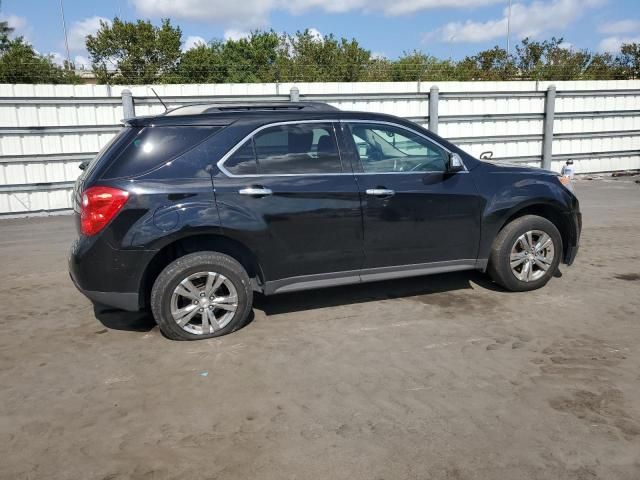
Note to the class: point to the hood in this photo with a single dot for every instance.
(506, 167)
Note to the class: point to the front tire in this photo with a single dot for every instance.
(201, 295)
(525, 254)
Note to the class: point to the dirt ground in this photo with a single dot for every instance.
(443, 377)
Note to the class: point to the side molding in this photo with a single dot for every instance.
(333, 279)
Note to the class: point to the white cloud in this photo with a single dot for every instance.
(19, 24)
(613, 44)
(57, 58)
(532, 20)
(80, 29)
(316, 34)
(232, 34)
(193, 41)
(82, 62)
(255, 13)
(622, 26)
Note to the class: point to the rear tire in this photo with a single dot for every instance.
(201, 295)
(525, 254)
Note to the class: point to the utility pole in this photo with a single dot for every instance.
(509, 29)
(66, 40)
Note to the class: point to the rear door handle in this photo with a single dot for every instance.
(255, 191)
(380, 192)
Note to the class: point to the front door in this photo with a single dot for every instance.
(285, 194)
(414, 212)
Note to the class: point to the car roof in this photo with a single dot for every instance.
(211, 108)
(222, 114)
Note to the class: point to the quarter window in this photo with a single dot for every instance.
(154, 146)
(387, 149)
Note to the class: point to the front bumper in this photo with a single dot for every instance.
(572, 249)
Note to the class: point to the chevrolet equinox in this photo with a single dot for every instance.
(190, 212)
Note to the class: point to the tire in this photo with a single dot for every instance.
(195, 274)
(505, 245)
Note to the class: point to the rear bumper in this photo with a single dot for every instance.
(121, 300)
(106, 275)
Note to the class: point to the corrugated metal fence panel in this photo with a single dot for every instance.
(47, 130)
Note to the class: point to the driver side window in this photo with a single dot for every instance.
(389, 149)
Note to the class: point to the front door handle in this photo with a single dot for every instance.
(255, 191)
(380, 192)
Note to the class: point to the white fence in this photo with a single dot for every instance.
(47, 130)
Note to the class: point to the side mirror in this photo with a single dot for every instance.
(486, 155)
(84, 165)
(455, 163)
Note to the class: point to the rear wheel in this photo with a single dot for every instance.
(525, 254)
(201, 295)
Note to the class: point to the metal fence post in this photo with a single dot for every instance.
(547, 134)
(128, 108)
(294, 94)
(433, 109)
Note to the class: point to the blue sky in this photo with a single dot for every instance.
(445, 28)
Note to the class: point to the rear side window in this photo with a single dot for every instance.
(297, 149)
(153, 146)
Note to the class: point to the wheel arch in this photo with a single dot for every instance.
(547, 210)
(199, 242)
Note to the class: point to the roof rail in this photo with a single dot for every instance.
(204, 108)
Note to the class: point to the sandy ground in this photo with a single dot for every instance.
(442, 377)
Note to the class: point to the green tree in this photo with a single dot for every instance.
(551, 60)
(202, 64)
(5, 32)
(19, 63)
(493, 64)
(135, 52)
(309, 58)
(418, 66)
(246, 60)
(252, 59)
(629, 60)
(603, 66)
(378, 70)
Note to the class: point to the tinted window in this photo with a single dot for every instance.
(297, 149)
(153, 146)
(386, 148)
(243, 161)
(110, 148)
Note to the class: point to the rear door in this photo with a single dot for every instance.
(286, 194)
(414, 212)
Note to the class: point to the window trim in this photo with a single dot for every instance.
(220, 163)
(236, 147)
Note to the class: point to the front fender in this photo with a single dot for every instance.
(508, 194)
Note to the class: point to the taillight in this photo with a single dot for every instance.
(99, 206)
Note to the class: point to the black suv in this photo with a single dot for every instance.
(190, 212)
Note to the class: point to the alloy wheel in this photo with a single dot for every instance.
(532, 255)
(204, 302)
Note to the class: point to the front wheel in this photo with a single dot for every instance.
(525, 254)
(201, 295)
